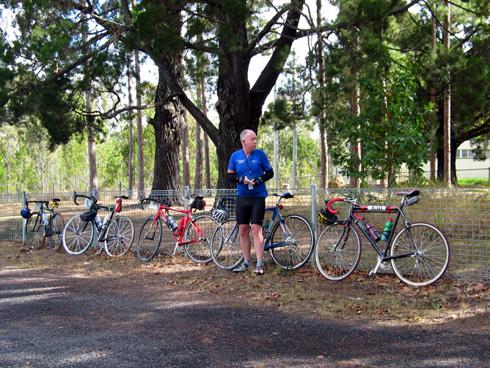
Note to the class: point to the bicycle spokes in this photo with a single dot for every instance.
(150, 234)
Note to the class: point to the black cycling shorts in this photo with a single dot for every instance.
(250, 210)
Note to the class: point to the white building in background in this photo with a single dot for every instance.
(466, 167)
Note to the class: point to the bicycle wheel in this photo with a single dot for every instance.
(149, 239)
(34, 230)
(226, 251)
(298, 241)
(78, 235)
(199, 233)
(55, 231)
(428, 251)
(119, 236)
(338, 251)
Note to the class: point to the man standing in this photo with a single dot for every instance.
(250, 169)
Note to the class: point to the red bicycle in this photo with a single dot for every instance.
(191, 232)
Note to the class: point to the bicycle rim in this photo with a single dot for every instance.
(77, 235)
(299, 242)
(149, 239)
(198, 233)
(338, 251)
(226, 251)
(54, 232)
(119, 236)
(34, 232)
(430, 254)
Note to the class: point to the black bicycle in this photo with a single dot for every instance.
(115, 233)
(418, 254)
(44, 226)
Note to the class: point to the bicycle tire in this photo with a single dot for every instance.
(55, 231)
(226, 251)
(431, 257)
(34, 231)
(149, 239)
(299, 246)
(119, 236)
(78, 235)
(338, 262)
(200, 249)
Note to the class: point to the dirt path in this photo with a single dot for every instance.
(58, 310)
(58, 319)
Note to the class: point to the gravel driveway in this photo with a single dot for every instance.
(53, 319)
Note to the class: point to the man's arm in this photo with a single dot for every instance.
(268, 175)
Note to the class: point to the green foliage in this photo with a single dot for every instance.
(390, 128)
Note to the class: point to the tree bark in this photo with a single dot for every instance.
(239, 106)
(447, 105)
(131, 123)
(139, 126)
(168, 126)
(186, 175)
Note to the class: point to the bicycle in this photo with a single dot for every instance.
(115, 232)
(288, 239)
(418, 254)
(43, 226)
(190, 233)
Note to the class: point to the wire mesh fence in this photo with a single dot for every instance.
(462, 214)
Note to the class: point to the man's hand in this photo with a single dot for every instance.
(248, 181)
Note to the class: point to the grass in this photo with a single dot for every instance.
(473, 182)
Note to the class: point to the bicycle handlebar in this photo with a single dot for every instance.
(150, 199)
(75, 196)
(331, 202)
(409, 198)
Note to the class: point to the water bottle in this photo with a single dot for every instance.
(98, 221)
(172, 225)
(372, 231)
(387, 230)
(45, 218)
(106, 221)
(265, 228)
(180, 229)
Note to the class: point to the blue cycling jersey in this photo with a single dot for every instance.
(252, 167)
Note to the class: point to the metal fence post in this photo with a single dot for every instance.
(24, 201)
(186, 197)
(313, 223)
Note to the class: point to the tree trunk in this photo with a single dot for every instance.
(91, 142)
(199, 148)
(93, 184)
(207, 169)
(139, 125)
(186, 175)
(130, 122)
(199, 163)
(321, 102)
(168, 126)
(433, 99)
(447, 106)
(355, 146)
(240, 107)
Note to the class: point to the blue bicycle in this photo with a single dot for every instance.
(289, 239)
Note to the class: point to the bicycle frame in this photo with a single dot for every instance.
(286, 231)
(275, 214)
(354, 218)
(418, 253)
(43, 209)
(179, 238)
(94, 206)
